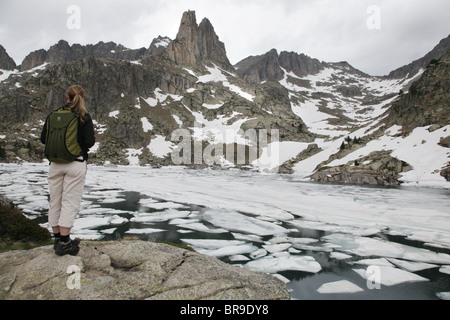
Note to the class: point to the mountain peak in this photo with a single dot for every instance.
(158, 45)
(188, 27)
(6, 62)
(268, 67)
(197, 43)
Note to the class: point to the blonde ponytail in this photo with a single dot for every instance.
(76, 99)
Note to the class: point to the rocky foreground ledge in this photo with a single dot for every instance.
(130, 270)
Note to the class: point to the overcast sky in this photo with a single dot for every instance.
(375, 36)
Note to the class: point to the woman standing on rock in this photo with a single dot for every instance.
(68, 155)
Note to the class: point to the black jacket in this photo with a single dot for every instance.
(86, 136)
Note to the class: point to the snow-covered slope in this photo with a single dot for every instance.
(336, 104)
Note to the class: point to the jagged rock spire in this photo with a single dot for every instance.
(197, 43)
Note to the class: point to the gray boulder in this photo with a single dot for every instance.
(130, 270)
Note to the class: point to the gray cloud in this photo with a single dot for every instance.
(329, 30)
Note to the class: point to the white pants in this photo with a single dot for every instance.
(66, 184)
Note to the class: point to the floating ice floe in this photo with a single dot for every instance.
(445, 269)
(277, 247)
(198, 226)
(342, 286)
(340, 256)
(389, 276)
(83, 226)
(373, 262)
(211, 243)
(180, 222)
(110, 201)
(159, 216)
(108, 231)
(144, 231)
(443, 295)
(271, 264)
(116, 220)
(144, 201)
(91, 222)
(412, 266)
(229, 250)
(364, 247)
(258, 253)
(238, 258)
(220, 248)
(247, 237)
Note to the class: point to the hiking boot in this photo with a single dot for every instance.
(77, 242)
(71, 248)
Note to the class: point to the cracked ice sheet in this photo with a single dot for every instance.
(234, 221)
(365, 247)
(358, 209)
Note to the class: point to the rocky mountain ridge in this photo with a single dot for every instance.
(139, 98)
(62, 53)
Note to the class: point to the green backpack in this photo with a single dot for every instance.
(61, 144)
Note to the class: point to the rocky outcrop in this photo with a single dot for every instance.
(130, 270)
(427, 101)
(197, 43)
(6, 62)
(369, 178)
(378, 168)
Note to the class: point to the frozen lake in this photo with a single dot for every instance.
(325, 241)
